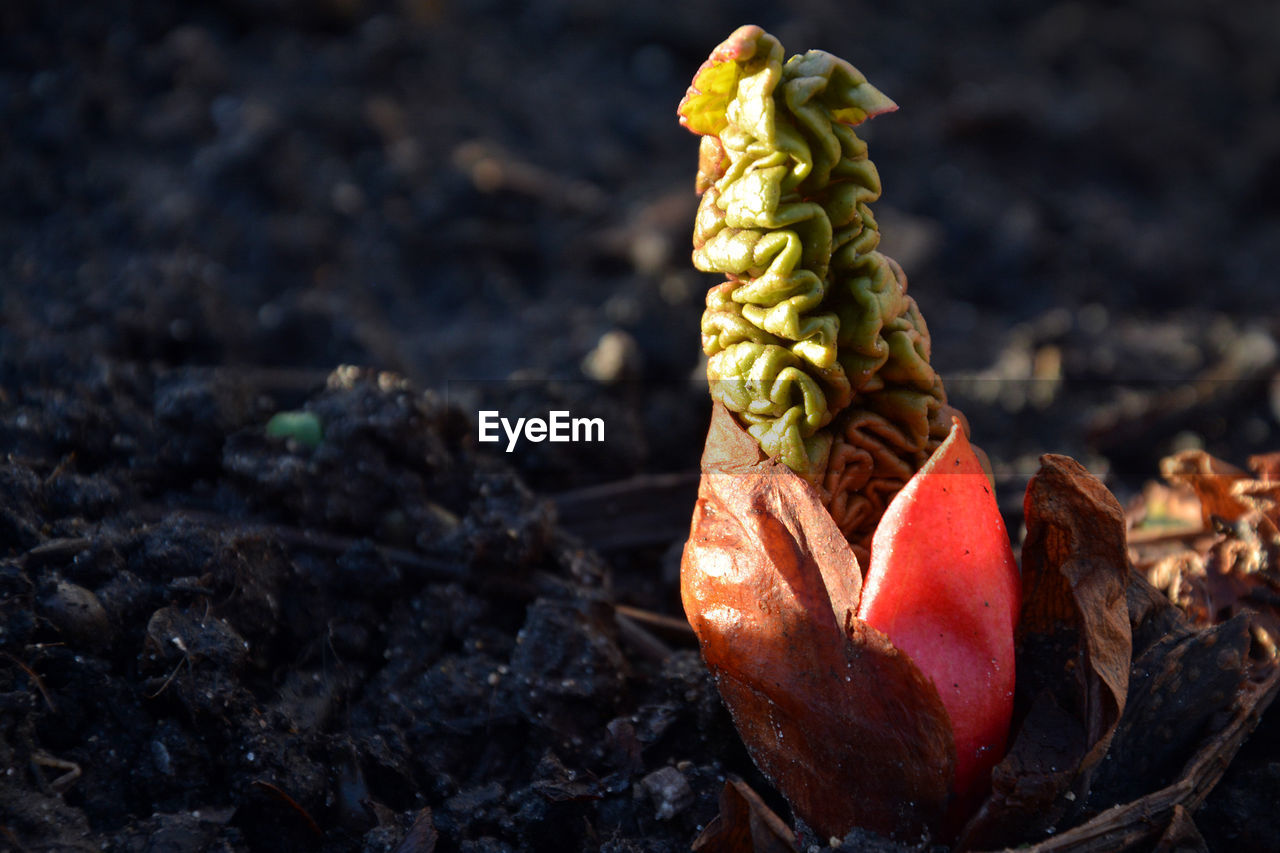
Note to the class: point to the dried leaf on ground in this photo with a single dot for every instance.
(1234, 567)
(1210, 478)
(1179, 687)
(1135, 824)
(1074, 654)
(745, 824)
(1187, 676)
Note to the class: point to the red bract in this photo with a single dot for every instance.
(820, 674)
(944, 587)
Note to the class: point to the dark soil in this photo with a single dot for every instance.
(212, 638)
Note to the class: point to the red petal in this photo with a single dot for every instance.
(944, 587)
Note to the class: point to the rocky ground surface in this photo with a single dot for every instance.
(217, 637)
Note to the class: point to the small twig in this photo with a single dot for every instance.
(194, 589)
(672, 627)
(54, 549)
(65, 464)
(59, 785)
(186, 658)
(292, 803)
(638, 512)
(1161, 535)
(640, 637)
(331, 542)
(340, 544)
(39, 683)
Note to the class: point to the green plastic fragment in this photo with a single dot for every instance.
(301, 426)
(811, 337)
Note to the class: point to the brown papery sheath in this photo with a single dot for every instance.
(845, 725)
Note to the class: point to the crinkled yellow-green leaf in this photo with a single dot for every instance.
(812, 320)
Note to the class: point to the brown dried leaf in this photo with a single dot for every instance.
(1180, 685)
(1135, 824)
(1242, 575)
(1265, 466)
(1074, 647)
(845, 725)
(1261, 497)
(1180, 576)
(1074, 562)
(422, 835)
(1182, 680)
(745, 825)
(1211, 479)
(1151, 615)
(1235, 567)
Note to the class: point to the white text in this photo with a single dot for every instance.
(557, 427)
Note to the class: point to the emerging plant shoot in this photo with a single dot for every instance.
(848, 573)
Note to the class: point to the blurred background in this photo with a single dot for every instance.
(1085, 197)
